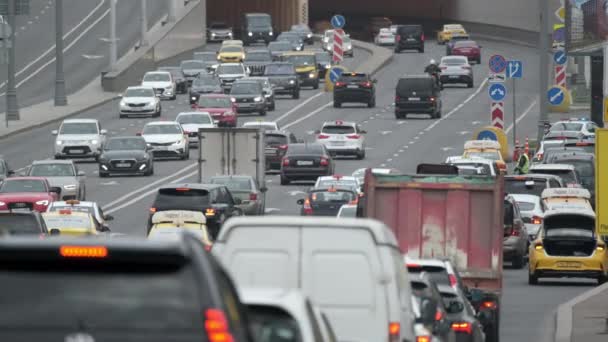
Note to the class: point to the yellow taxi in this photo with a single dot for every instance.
(66, 222)
(448, 30)
(486, 149)
(568, 245)
(560, 198)
(231, 54)
(167, 224)
(306, 66)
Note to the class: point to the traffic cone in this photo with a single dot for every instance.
(516, 151)
(527, 147)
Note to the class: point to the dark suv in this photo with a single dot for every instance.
(306, 161)
(417, 94)
(257, 27)
(276, 147)
(283, 78)
(355, 87)
(409, 37)
(96, 276)
(248, 96)
(215, 201)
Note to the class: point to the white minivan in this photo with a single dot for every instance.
(352, 269)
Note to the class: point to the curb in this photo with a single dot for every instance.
(375, 50)
(563, 317)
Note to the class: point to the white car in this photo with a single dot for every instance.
(343, 137)
(338, 181)
(347, 210)
(264, 125)
(167, 139)
(488, 166)
(82, 206)
(585, 127)
(192, 121)
(139, 101)
(531, 210)
(79, 138)
(456, 69)
(385, 37)
(162, 82)
(328, 36)
(228, 73)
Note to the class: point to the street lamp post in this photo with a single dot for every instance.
(60, 95)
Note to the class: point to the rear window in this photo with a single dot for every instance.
(525, 206)
(353, 78)
(409, 29)
(305, 149)
(454, 61)
(585, 168)
(332, 196)
(566, 126)
(338, 129)
(568, 176)
(271, 324)
(589, 148)
(438, 274)
(527, 186)
(19, 225)
(100, 296)
(233, 183)
(276, 139)
(181, 198)
(421, 86)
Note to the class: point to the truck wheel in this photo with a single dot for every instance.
(263, 112)
(532, 278)
(518, 262)
(296, 94)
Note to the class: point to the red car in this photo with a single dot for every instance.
(27, 193)
(469, 49)
(220, 107)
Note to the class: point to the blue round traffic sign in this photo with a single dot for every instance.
(556, 96)
(560, 57)
(497, 64)
(497, 91)
(338, 21)
(335, 73)
(487, 135)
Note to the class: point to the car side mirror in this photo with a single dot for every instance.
(429, 309)
(55, 232)
(56, 190)
(54, 132)
(300, 201)
(103, 132)
(108, 217)
(81, 174)
(105, 229)
(455, 307)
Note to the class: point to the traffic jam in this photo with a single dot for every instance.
(381, 254)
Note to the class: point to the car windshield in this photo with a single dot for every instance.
(525, 186)
(485, 155)
(214, 102)
(192, 65)
(338, 129)
(157, 77)
(78, 128)
(453, 61)
(245, 88)
(279, 69)
(22, 185)
(52, 170)
(67, 221)
(465, 43)
(161, 129)
(276, 139)
(299, 60)
(219, 26)
(525, 206)
(125, 144)
(279, 46)
(300, 28)
(230, 69)
(258, 56)
(206, 57)
(421, 86)
(233, 183)
(272, 324)
(139, 93)
(348, 212)
(566, 126)
(19, 224)
(185, 119)
(231, 49)
(205, 81)
(181, 198)
(259, 21)
(332, 196)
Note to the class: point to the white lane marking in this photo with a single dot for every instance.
(110, 183)
(447, 148)
(49, 50)
(386, 132)
(92, 56)
(395, 154)
(389, 160)
(118, 200)
(145, 194)
(475, 123)
(296, 193)
(291, 111)
(523, 115)
(313, 113)
(464, 132)
(30, 22)
(382, 165)
(401, 151)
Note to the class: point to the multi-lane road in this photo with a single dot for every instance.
(392, 143)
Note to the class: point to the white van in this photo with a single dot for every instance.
(352, 269)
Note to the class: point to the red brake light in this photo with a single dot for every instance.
(367, 84)
(322, 136)
(153, 210)
(394, 329)
(182, 189)
(514, 232)
(462, 327)
(307, 208)
(438, 315)
(83, 251)
(285, 162)
(537, 220)
(324, 162)
(353, 136)
(208, 248)
(283, 147)
(489, 305)
(411, 265)
(216, 326)
(397, 37)
(422, 37)
(432, 99)
(443, 68)
(453, 280)
(397, 98)
(253, 196)
(340, 84)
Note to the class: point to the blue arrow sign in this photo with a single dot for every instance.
(515, 69)
(560, 57)
(497, 91)
(487, 135)
(555, 95)
(338, 21)
(497, 64)
(334, 74)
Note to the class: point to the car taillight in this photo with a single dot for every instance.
(537, 220)
(324, 162)
(422, 37)
(307, 207)
(216, 326)
(453, 280)
(283, 147)
(488, 305)
(462, 327)
(152, 210)
(253, 196)
(367, 84)
(432, 99)
(438, 315)
(353, 136)
(423, 339)
(398, 38)
(340, 84)
(322, 136)
(514, 232)
(83, 251)
(394, 330)
(539, 156)
(285, 162)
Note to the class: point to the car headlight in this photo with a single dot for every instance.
(70, 187)
(312, 75)
(212, 34)
(2, 203)
(43, 202)
(292, 82)
(309, 35)
(270, 33)
(232, 99)
(268, 95)
(123, 103)
(59, 142)
(298, 48)
(94, 142)
(219, 57)
(257, 99)
(328, 66)
(230, 34)
(250, 34)
(151, 103)
(169, 87)
(193, 98)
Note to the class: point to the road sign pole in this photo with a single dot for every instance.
(544, 65)
(60, 96)
(12, 106)
(144, 23)
(113, 42)
(514, 115)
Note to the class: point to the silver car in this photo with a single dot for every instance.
(79, 138)
(245, 188)
(456, 69)
(228, 73)
(139, 101)
(62, 174)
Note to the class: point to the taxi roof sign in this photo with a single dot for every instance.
(481, 144)
(179, 217)
(566, 193)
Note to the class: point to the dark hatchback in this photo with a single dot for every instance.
(452, 42)
(181, 84)
(355, 87)
(278, 48)
(409, 37)
(205, 84)
(248, 96)
(277, 143)
(214, 201)
(584, 164)
(307, 162)
(326, 201)
(283, 78)
(417, 94)
(30, 223)
(256, 61)
(114, 289)
(126, 156)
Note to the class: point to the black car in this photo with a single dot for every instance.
(306, 161)
(213, 200)
(257, 27)
(304, 31)
(417, 94)
(355, 87)
(126, 156)
(283, 78)
(326, 201)
(431, 311)
(5, 170)
(409, 37)
(192, 69)
(531, 184)
(455, 38)
(461, 315)
(207, 57)
(181, 84)
(323, 62)
(205, 84)
(297, 44)
(278, 48)
(30, 223)
(256, 61)
(277, 143)
(96, 276)
(584, 164)
(248, 96)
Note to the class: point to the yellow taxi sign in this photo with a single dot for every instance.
(481, 144)
(565, 193)
(601, 183)
(179, 217)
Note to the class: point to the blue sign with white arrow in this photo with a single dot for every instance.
(556, 96)
(338, 21)
(497, 91)
(560, 57)
(515, 69)
(334, 74)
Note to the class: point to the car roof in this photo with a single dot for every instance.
(447, 289)
(331, 187)
(142, 87)
(53, 161)
(335, 177)
(81, 204)
(80, 120)
(525, 198)
(158, 72)
(159, 123)
(291, 300)
(194, 113)
(340, 123)
(552, 167)
(197, 186)
(73, 213)
(570, 211)
(231, 64)
(25, 178)
(454, 57)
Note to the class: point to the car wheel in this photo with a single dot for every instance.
(518, 262)
(602, 279)
(421, 50)
(263, 112)
(186, 154)
(103, 174)
(479, 60)
(121, 116)
(273, 106)
(532, 278)
(284, 180)
(397, 50)
(316, 85)
(337, 104)
(470, 84)
(360, 154)
(372, 103)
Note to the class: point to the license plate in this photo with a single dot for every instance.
(338, 143)
(77, 151)
(21, 210)
(305, 162)
(569, 264)
(414, 99)
(123, 165)
(244, 105)
(279, 88)
(454, 76)
(19, 205)
(353, 86)
(411, 40)
(161, 148)
(271, 152)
